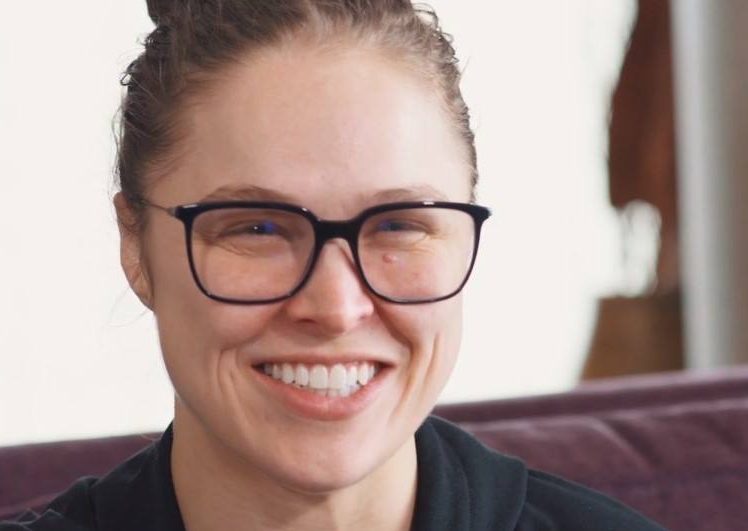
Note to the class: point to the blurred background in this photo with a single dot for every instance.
(615, 247)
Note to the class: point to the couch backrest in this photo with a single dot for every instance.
(675, 446)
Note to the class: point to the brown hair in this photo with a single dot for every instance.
(195, 38)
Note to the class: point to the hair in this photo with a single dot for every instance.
(194, 39)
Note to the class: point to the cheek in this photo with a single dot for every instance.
(432, 333)
(206, 331)
(202, 350)
(426, 326)
(197, 333)
(446, 342)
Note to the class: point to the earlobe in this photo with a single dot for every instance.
(131, 251)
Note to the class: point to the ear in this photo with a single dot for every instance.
(131, 251)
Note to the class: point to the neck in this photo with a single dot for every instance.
(219, 490)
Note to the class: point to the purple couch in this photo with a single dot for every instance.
(673, 446)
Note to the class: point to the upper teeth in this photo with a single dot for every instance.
(341, 378)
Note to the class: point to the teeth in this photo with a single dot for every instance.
(318, 377)
(351, 376)
(287, 374)
(337, 377)
(331, 381)
(302, 375)
(363, 374)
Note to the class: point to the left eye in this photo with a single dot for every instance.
(396, 226)
(266, 227)
(389, 226)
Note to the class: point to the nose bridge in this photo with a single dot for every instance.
(330, 230)
(334, 296)
(327, 231)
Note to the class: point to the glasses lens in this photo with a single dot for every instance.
(417, 254)
(251, 254)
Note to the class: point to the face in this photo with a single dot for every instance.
(335, 132)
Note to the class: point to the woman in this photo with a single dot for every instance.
(306, 351)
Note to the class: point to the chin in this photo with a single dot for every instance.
(326, 462)
(323, 476)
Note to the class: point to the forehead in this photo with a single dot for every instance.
(332, 130)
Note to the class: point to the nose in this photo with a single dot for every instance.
(334, 300)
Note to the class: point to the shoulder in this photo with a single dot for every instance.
(71, 511)
(502, 493)
(569, 505)
(137, 494)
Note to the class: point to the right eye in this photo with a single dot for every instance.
(254, 228)
(242, 226)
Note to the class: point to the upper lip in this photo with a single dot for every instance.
(323, 359)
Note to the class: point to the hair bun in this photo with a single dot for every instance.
(160, 10)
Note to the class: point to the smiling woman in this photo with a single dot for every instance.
(296, 209)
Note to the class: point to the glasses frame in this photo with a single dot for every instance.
(324, 231)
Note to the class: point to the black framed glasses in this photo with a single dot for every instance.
(255, 252)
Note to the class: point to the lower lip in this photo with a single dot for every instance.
(310, 405)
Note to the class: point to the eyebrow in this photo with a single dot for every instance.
(415, 193)
(258, 193)
(247, 193)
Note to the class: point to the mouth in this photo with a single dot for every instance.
(337, 380)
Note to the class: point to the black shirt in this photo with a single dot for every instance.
(462, 486)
